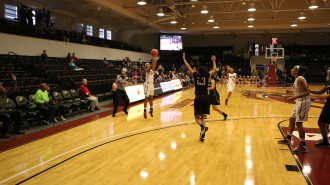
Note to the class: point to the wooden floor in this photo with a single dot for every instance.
(165, 149)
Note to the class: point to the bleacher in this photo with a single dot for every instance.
(315, 58)
(32, 70)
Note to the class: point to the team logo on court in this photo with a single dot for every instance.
(276, 96)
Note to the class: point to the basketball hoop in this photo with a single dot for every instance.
(274, 58)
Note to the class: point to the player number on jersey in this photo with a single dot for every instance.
(201, 81)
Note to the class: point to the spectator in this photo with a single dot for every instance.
(44, 55)
(74, 57)
(124, 68)
(85, 92)
(253, 73)
(6, 116)
(134, 79)
(75, 67)
(105, 61)
(68, 57)
(59, 107)
(160, 78)
(42, 100)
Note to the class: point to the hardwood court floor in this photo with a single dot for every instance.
(165, 149)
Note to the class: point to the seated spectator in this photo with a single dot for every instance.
(105, 61)
(75, 67)
(6, 116)
(59, 107)
(68, 57)
(159, 78)
(134, 79)
(42, 101)
(85, 92)
(124, 68)
(74, 57)
(44, 55)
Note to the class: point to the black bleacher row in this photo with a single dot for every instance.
(316, 68)
(71, 100)
(32, 70)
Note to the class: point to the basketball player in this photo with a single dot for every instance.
(202, 100)
(149, 86)
(300, 111)
(230, 84)
(215, 97)
(324, 119)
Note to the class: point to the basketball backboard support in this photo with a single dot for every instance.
(271, 52)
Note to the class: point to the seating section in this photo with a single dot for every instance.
(31, 71)
(315, 58)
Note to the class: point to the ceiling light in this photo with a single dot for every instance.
(141, 2)
(243, 3)
(193, 0)
(251, 8)
(160, 12)
(302, 16)
(183, 27)
(211, 19)
(313, 5)
(204, 10)
(294, 24)
(216, 26)
(173, 21)
(250, 26)
(251, 18)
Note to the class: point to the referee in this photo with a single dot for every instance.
(122, 80)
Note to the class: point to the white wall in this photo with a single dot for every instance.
(34, 46)
(240, 41)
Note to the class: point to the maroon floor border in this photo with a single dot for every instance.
(316, 159)
(19, 141)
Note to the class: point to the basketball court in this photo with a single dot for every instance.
(165, 149)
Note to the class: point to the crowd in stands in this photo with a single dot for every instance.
(315, 58)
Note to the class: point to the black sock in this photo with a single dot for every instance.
(202, 126)
(145, 110)
(325, 139)
(288, 137)
(224, 114)
(151, 109)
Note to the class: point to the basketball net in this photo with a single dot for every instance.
(274, 58)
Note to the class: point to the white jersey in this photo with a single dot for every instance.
(297, 91)
(150, 77)
(232, 78)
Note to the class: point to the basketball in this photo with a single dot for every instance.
(154, 52)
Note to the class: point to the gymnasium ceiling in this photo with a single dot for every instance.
(230, 15)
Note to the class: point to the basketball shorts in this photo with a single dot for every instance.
(325, 114)
(230, 87)
(300, 110)
(202, 104)
(148, 90)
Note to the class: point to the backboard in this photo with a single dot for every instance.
(271, 52)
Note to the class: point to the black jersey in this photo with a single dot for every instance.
(201, 83)
(212, 92)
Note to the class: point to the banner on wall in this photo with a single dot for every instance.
(135, 92)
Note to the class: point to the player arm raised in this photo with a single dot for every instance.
(303, 86)
(214, 68)
(154, 64)
(186, 63)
